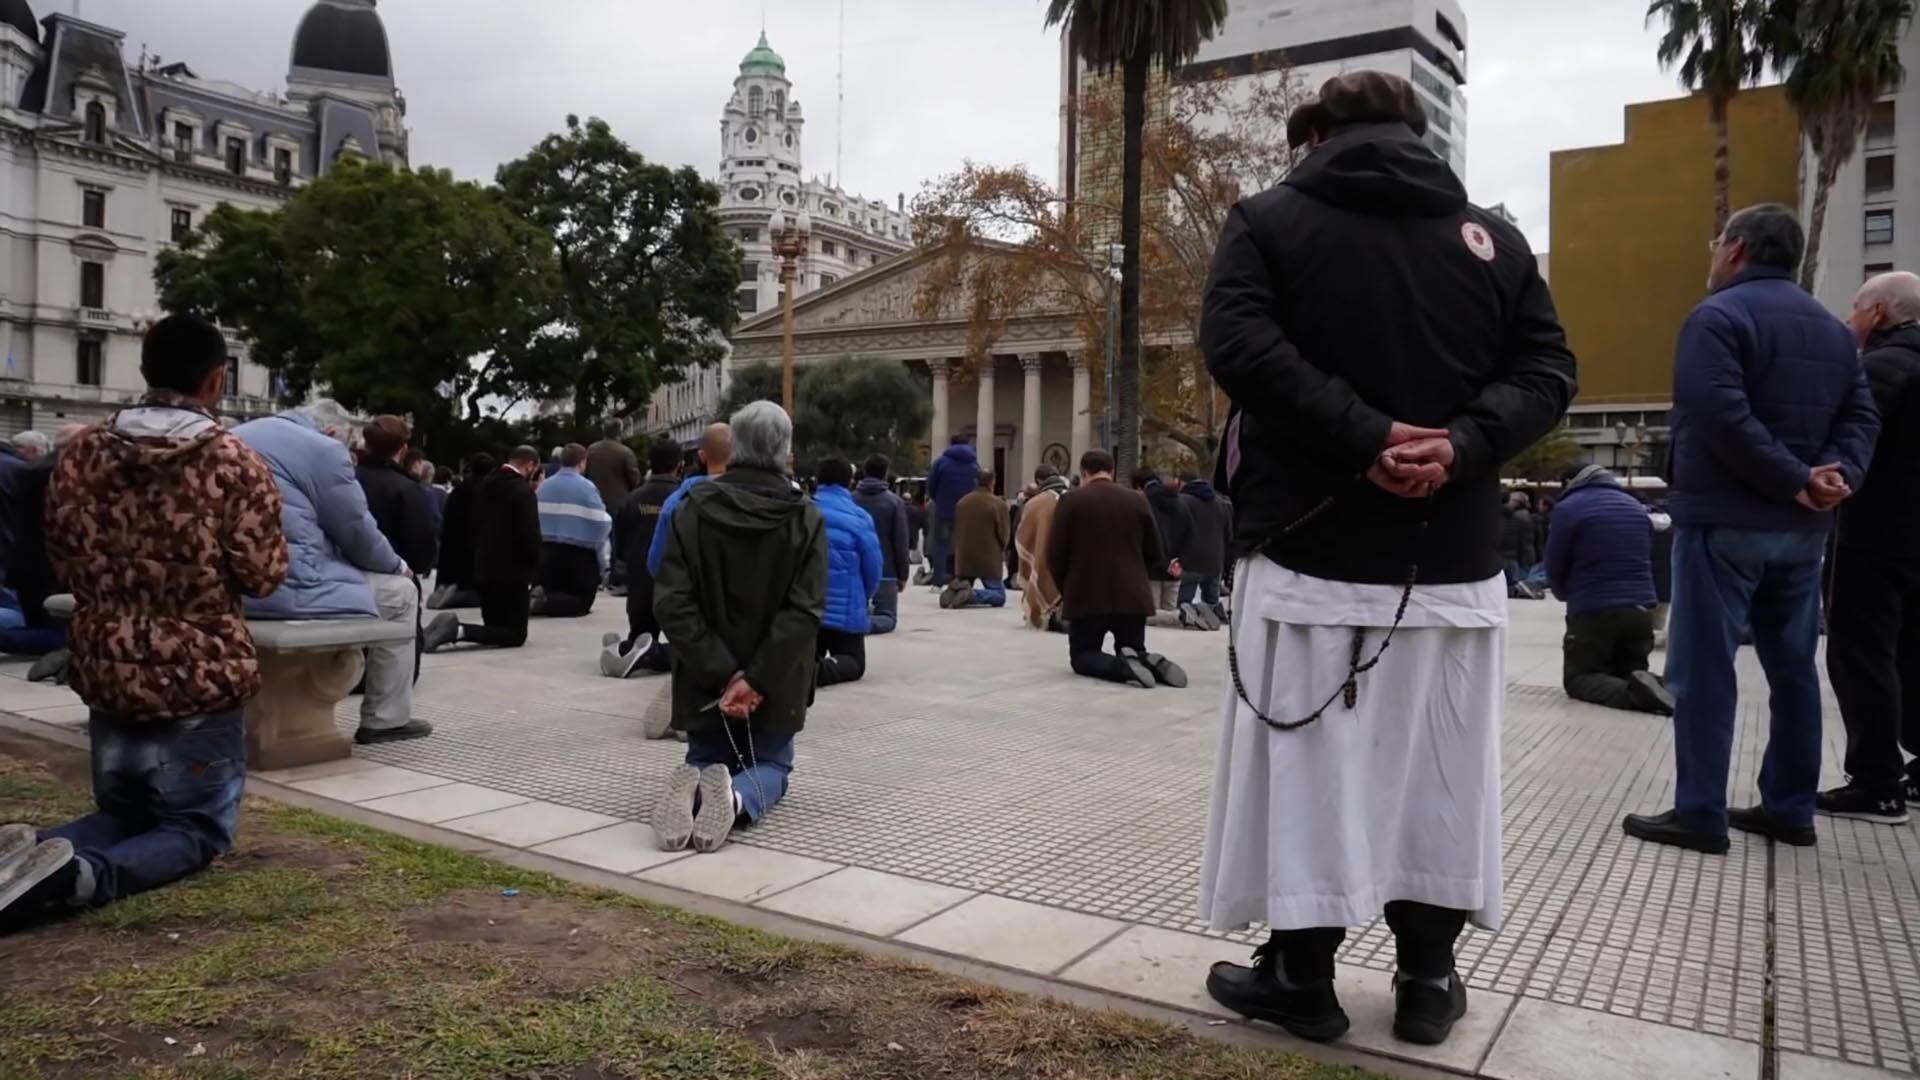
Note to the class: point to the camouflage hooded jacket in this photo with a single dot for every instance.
(160, 522)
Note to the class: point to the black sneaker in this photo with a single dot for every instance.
(1425, 1010)
(32, 887)
(412, 729)
(1756, 820)
(1649, 694)
(49, 668)
(1165, 672)
(1859, 804)
(1262, 992)
(1138, 673)
(443, 631)
(1666, 829)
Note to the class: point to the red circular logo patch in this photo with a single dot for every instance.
(1479, 240)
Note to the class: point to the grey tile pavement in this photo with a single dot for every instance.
(972, 762)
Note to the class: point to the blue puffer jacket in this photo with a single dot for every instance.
(1600, 550)
(331, 536)
(1766, 384)
(853, 561)
(951, 479)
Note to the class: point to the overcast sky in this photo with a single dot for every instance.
(929, 83)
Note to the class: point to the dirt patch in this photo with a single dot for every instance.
(285, 851)
(68, 764)
(551, 945)
(813, 1029)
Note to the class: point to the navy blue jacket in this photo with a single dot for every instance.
(853, 561)
(1766, 384)
(889, 515)
(1600, 552)
(951, 479)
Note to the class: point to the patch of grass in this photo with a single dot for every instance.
(226, 898)
(402, 870)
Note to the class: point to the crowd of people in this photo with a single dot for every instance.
(1355, 544)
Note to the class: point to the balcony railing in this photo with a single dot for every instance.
(93, 316)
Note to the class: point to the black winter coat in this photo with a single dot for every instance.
(634, 523)
(506, 527)
(1362, 291)
(1884, 516)
(400, 508)
(889, 514)
(456, 533)
(1174, 520)
(1212, 517)
(1518, 537)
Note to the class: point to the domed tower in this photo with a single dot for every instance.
(19, 50)
(760, 135)
(340, 50)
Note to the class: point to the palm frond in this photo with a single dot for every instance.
(1104, 33)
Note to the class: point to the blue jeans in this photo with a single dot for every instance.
(1723, 580)
(940, 551)
(991, 593)
(169, 799)
(1207, 588)
(761, 786)
(886, 607)
(32, 640)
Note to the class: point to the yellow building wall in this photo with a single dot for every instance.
(1631, 224)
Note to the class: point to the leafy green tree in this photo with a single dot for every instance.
(1720, 47)
(1547, 459)
(851, 407)
(1841, 56)
(398, 291)
(650, 277)
(1132, 35)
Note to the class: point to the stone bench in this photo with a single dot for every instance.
(307, 667)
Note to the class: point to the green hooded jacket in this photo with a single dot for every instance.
(741, 588)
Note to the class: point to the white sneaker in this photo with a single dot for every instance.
(718, 809)
(615, 664)
(673, 814)
(16, 842)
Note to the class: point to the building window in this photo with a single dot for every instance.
(1880, 174)
(1432, 84)
(1880, 126)
(827, 279)
(182, 225)
(96, 122)
(233, 375)
(282, 166)
(1440, 146)
(237, 156)
(749, 194)
(93, 285)
(749, 271)
(1880, 226)
(780, 101)
(756, 104)
(89, 362)
(93, 208)
(182, 142)
(1873, 270)
(1440, 120)
(752, 136)
(749, 301)
(828, 247)
(749, 236)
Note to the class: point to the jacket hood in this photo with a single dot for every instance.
(1591, 476)
(1381, 170)
(962, 453)
(158, 440)
(871, 485)
(1904, 336)
(1199, 489)
(748, 500)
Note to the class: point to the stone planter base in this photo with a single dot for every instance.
(290, 723)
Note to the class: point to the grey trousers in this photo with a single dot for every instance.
(389, 687)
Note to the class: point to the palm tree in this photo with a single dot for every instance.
(1841, 56)
(1719, 47)
(1132, 35)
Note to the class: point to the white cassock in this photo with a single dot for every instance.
(1395, 799)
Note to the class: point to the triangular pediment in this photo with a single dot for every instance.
(883, 295)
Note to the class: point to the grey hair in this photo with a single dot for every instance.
(32, 440)
(1899, 290)
(1772, 235)
(762, 436)
(328, 413)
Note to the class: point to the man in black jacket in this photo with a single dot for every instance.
(1205, 560)
(396, 499)
(1175, 523)
(634, 522)
(506, 557)
(1873, 627)
(453, 579)
(1386, 347)
(889, 515)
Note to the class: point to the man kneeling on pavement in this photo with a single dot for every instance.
(160, 521)
(1600, 561)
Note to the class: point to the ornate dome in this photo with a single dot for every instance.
(763, 60)
(17, 14)
(345, 36)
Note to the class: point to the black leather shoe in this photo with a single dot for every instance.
(1262, 992)
(412, 729)
(1666, 829)
(1649, 694)
(1425, 1010)
(1756, 820)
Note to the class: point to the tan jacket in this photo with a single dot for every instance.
(981, 533)
(1039, 594)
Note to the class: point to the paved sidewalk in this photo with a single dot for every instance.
(973, 797)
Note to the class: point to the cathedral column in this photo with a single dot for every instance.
(983, 421)
(937, 440)
(1029, 421)
(1082, 407)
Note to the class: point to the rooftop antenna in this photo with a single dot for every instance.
(840, 87)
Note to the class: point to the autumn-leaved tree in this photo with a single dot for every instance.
(650, 276)
(397, 291)
(1010, 244)
(1131, 36)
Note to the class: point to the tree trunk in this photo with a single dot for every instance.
(1825, 174)
(1126, 376)
(1722, 164)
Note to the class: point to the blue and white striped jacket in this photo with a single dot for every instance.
(571, 512)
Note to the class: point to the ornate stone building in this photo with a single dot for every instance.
(105, 162)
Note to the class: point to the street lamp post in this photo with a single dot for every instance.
(1115, 253)
(789, 240)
